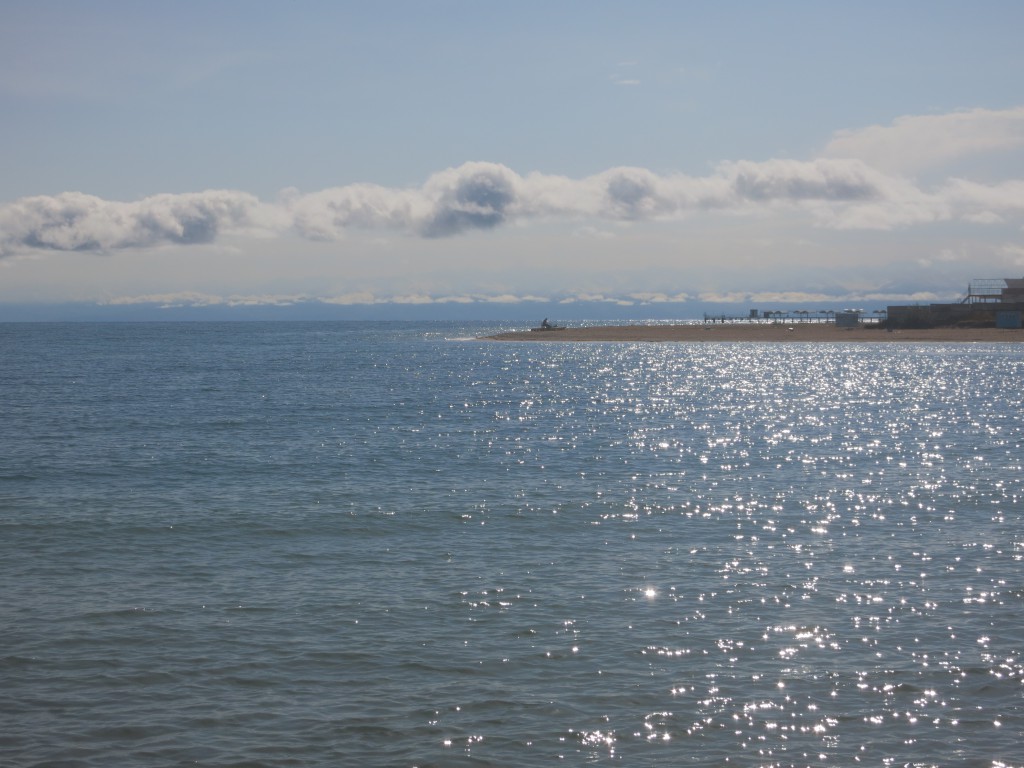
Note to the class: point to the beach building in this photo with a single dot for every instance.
(989, 302)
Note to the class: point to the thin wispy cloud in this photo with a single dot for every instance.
(200, 299)
(625, 74)
(916, 142)
(196, 299)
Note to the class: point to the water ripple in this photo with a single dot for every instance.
(344, 544)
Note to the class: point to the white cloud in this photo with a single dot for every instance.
(794, 181)
(73, 221)
(366, 298)
(593, 232)
(413, 298)
(658, 298)
(349, 299)
(179, 299)
(790, 297)
(621, 77)
(915, 297)
(1013, 254)
(981, 199)
(803, 297)
(326, 215)
(916, 142)
(727, 297)
(198, 299)
(597, 298)
(832, 192)
(508, 298)
(984, 217)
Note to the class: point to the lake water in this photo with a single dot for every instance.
(373, 544)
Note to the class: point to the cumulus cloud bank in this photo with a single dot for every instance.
(73, 221)
(843, 190)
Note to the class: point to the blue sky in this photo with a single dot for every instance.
(501, 157)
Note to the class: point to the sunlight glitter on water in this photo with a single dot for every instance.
(418, 554)
(751, 446)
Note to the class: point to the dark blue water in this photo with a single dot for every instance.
(391, 545)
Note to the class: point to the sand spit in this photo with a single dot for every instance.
(769, 332)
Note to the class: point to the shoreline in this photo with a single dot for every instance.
(761, 332)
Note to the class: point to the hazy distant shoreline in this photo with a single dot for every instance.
(774, 332)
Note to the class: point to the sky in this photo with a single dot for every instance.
(500, 159)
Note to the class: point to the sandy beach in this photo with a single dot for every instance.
(780, 332)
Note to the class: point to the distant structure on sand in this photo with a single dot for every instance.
(847, 318)
(989, 302)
